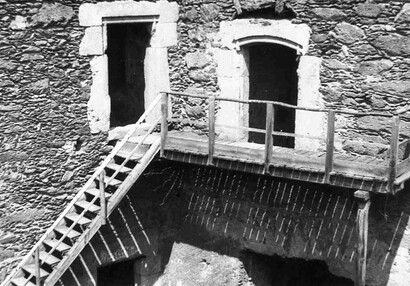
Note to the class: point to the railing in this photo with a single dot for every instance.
(99, 173)
(271, 106)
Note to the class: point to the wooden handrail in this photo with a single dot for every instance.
(211, 126)
(270, 117)
(395, 131)
(278, 103)
(103, 203)
(330, 142)
(164, 121)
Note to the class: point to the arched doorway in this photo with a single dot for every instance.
(272, 76)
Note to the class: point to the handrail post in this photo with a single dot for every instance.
(394, 141)
(103, 203)
(37, 262)
(211, 126)
(164, 121)
(330, 142)
(270, 113)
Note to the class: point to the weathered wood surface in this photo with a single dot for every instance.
(362, 222)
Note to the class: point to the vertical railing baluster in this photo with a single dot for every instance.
(394, 141)
(103, 203)
(37, 262)
(211, 127)
(330, 142)
(164, 122)
(270, 113)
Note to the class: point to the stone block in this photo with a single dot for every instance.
(375, 67)
(229, 63)
(293, 35)
(348, 33)
(368, 10)
(19, 23)
(393, 44)
(92, 42)
(209, 12)
(404, 15)
(309, 123)
(196, 60)
(330, 14)
(99, 105)
(52, 14)
(165, 35)
(92, 14)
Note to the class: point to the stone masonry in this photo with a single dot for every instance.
(361, 54)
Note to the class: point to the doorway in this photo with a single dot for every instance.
(126, 48)
(272, 76)
(118, 274)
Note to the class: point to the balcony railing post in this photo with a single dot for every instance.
(164, 121)
(330, 142)
(394, 141)
(103, 204)
(37, 263)
(211, 127)
(270, 113)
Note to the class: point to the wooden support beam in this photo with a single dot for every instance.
(270, 113)
(103, 203)
(330, 142)
(164, 121)
(211, 125)
(37, 262)
(363, 199)
(394, 143)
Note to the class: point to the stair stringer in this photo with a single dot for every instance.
(85, 238)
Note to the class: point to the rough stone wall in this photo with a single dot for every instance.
(364, 47)
(46, 148)
(202, 221)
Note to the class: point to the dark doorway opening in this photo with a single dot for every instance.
(272, 76)
(118, 274)
(278, 271)
(126, 47)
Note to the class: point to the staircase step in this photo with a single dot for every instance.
(91, 207)
(113, 182)
(62, 229)
(129, 147)
(96, 193)
(48, 258)
(74, 217)
(116, 167)
(22, 281)
(31, 268)
(60, 247)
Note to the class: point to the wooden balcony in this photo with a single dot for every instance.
(324, 167)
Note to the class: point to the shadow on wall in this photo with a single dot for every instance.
(189, 225)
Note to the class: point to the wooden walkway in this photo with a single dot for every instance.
(353, 172)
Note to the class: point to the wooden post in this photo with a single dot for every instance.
(330, 142)
(37, 262)
(394, 143)
(211, 125)
(363, 199)
(270, 113)
(164, 121)
(103, 203)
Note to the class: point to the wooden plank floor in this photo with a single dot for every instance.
(359, 172)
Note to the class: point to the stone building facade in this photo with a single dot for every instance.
(56, 113)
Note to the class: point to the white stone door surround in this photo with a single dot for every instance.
(233, 75)
(162, 14)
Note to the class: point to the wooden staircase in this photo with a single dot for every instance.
(82, 218)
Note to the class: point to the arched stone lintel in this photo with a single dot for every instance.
(244, 31)
(270, 40)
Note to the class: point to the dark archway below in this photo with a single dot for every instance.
(278, 271)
